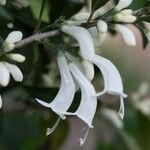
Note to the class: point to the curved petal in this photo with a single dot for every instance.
(14, 37)
(15, 72)
(127, 34)
(65, 95)
(112, 78)
(83, 37)
(88, 104)
(4, 75)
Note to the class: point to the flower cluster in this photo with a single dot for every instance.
(7, 68)
(78, 72)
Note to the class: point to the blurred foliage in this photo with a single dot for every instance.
(25, 129)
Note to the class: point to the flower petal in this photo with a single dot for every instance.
(4, 75)
(84, 38)
(112, 80)
(66, 93)
(88, 104)
(15, 72)
(14, 37)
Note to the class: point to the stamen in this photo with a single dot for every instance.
(82, 140)
(51, 130)
(100, 93)
(121, 110)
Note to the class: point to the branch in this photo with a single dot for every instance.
(37, 38)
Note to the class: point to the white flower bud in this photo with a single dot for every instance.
(2, 2)
(8, 46)
(16, 57)
(118, 17)
(148, 35)
(127, 34)
(123, 4)
(102, 26)
(126, 12)
(14, 37)
(81, 16)
(89, 69)
(1, 103)
(129, 19)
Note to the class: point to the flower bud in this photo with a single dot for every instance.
(16, 57)
(129, 19)
(8, 46)
(123, 4)
(81, 16)
(118, 17)
(102, 26)
(126, 12)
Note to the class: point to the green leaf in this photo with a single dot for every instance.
(142, 29)
(98, 3)
(138, 4)
(64, 8)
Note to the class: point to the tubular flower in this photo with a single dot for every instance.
(112, 78)
(123, 4)
(65, 95)
(88, 100)
(127, 34)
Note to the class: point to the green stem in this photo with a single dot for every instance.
(40, 17)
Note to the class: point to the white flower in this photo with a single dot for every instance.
(112, 80)
(11, 39)
(88, 104)
(1, 103)
(82, 36)
(3, 2)
(65, 95)
(127, 34)
(123, 4)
